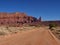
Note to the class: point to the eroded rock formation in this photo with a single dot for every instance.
(19, 19)
(16, 19)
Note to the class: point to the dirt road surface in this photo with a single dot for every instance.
(30, 37)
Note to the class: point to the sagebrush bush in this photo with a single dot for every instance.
(51, 26)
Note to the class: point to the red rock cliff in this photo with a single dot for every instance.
(15, 19)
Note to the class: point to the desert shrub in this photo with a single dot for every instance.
(2, 33)
(51, 26)
(31, 25)
(7, 27)
(35, 25)
(58, 30)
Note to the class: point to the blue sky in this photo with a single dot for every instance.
(47, 9)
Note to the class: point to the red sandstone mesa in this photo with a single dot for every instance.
(18, 19)
(15, 19)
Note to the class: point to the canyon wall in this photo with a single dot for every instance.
(16, 19)
(19, 19)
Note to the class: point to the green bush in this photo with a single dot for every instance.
(51, 26)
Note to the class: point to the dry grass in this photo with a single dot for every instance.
(56, 32)
(9, 30)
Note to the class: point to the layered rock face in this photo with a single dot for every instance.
(16, 19)
(19, 19)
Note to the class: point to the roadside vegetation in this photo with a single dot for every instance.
(55, 30)
(4, 30)
(52, 26)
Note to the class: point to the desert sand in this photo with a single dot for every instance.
(38, 36)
